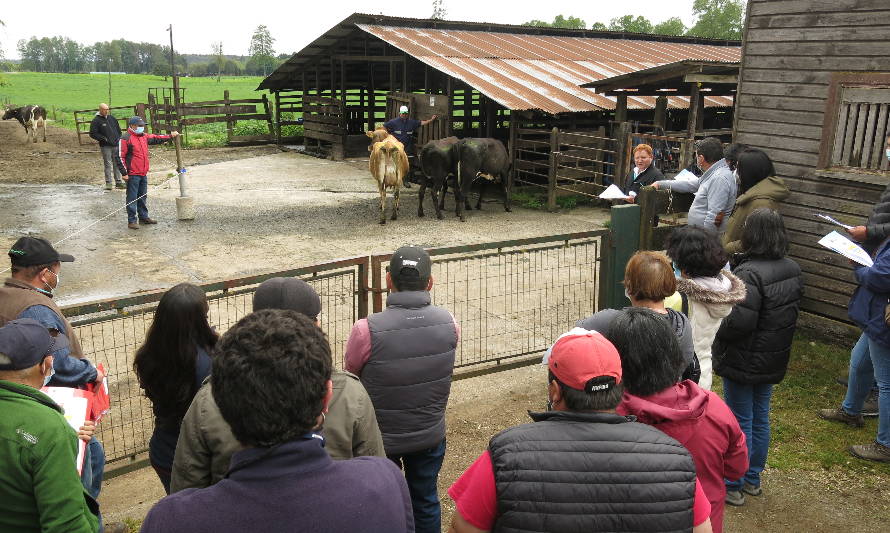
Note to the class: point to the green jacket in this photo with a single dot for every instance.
(40, 490)
(768, 193)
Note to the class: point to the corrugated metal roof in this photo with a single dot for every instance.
(524, 72)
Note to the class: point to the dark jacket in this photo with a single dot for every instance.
(105, 129)
(871, 297)
(133, 152)
(408, 375)
(753, 343)
(647, 177)
(573, 472)
(877, 227)
(294, 486)
(770, 192)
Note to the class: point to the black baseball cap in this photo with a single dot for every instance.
(288, 294)
(137, 121)
(29, 251)
(25, 342)
(410, 262)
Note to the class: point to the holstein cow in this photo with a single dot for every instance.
(30, 117)
(437, 161)
(389, 166)
(484, 159)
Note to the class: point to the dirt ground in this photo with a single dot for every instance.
(259, 210)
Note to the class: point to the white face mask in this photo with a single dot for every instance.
(46, 379)
(52, 290)
(887, 153)
(140, 129)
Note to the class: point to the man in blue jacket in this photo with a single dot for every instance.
(403, 129)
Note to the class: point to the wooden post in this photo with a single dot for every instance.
(269, 116)
(621, 108)
(426, 78)
(489, 117)
(468, 110)
(449, 93)
(405, 74)
(552, 175)
(694, 102)
(511, 148)
(481, 107)
(647, 199)
(623, 148)
(230, 130)
(372, 99)
(392, 76)
(660, 119)
(700, 119)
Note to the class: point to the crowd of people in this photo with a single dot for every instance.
(255, 430)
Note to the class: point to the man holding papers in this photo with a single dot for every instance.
(40, 490)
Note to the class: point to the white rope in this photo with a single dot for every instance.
(119, 209)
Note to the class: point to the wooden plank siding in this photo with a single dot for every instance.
(792, 49)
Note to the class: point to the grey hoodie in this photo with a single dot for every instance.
(715, 193)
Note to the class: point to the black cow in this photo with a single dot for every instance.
(30, 117)
(437, 161)
(484, 159)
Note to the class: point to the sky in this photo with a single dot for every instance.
(292, 23)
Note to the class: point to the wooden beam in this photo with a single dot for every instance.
(712, 78)
(661, 104)
(621, 108)
(366, 59)
(694, 103)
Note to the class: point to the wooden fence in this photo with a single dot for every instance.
(324, 122)
(288, 103)
(166, 117)
(84, 117)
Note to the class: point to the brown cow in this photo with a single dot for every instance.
(389, 166)
(30, 117)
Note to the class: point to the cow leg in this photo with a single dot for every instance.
(395, 203)
(433, 194)
(443, 192)
(508, 190)
(44, 130)
(482, 187)
(420, 195)
(382, 203)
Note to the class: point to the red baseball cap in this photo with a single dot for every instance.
(580, 356)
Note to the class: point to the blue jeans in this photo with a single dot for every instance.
(422, 474)
(93, 471)
(750, 405)
(868, 359)
(137, 187)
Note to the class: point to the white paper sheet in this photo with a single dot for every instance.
(75, 407)
(685, 175)
(847, 248)
(833, 221)
(612, 192)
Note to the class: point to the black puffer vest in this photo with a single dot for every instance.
(408, 375)
(590, 472)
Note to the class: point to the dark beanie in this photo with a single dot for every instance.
(288, 294)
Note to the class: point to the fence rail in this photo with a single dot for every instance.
(511, 299)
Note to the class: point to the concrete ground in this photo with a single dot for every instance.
(253, 215)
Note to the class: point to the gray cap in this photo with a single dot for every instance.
(288, 294)
(25, 342)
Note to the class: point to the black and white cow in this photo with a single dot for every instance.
(30, 117)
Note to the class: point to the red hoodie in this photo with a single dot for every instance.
(704, 424)
(133, 152)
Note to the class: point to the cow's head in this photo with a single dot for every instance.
(9, 112)
(376, 136)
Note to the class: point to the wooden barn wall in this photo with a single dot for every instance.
(791, 48)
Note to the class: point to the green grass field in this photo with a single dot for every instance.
(62, 94)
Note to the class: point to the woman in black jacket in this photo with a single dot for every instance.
(644, 172)
(753, 344)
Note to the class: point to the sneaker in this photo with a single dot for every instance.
(839, 415)
(735, 497)
(133, 225)
(871, 452)
(870, 406)
(842, 380)
(120, 185)
(751, 489)
(108, 186)
(148, 221)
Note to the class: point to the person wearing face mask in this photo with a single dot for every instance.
(644, 172)
(758, 188)
(133, 165)
(29, 294)
(39, 487)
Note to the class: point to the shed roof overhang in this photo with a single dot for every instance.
(715, 78)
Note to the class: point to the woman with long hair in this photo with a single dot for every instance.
(753, 344)
(171, 365)
(758, 188)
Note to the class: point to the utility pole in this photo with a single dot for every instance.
(175, 76)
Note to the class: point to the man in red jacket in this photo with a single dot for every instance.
(133, 165)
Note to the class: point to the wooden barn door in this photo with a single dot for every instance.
(422, 107)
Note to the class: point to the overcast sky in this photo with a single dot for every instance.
(293, 23)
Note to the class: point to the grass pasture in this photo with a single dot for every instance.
(62, 94)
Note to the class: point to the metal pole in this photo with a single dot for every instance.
(175, 77)
(179, 169)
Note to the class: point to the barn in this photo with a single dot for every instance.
(814, 93)
(486, 80)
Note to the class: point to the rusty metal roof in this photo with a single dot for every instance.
(525, 72)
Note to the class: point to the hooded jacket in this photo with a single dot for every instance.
(754, 342)
(710, 300)
(699, 420)
(769, 192)
(133, 152)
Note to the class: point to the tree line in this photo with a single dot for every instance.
(715, 19)
(61, 54)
